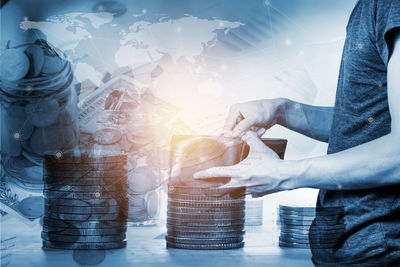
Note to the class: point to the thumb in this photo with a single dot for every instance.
(242, 127)
(256, 145)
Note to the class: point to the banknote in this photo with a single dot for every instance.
(27, 206)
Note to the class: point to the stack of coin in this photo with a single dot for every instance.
(296, 221)
(204, 218)
(254, 211)
(85, 202)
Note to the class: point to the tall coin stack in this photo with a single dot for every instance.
(205, 218)
(85, 202)
(296, 221)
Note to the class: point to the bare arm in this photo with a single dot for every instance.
(376, 163)
(370, 165)
(312, 121)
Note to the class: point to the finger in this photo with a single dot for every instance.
(260, 190)
(231, 120)
(254, 142)
(243, 126)
(263, 193)
(256, 145)
(231, 171)
(261, 132)
(232, 184)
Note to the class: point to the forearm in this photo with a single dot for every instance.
(370, 165)
(312, 121)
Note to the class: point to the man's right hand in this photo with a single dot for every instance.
(256, 116)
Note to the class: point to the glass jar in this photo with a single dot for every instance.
(38, 117)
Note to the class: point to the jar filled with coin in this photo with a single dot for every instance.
(38, 110)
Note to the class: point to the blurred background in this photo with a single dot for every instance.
(210, 54)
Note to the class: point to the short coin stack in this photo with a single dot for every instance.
(296, 221)
(85, 202)
(205, 218)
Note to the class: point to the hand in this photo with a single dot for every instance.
(256, 116)
(262, 172)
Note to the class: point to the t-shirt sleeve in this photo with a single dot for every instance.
(387, 19)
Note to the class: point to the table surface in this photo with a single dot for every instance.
(146, 246)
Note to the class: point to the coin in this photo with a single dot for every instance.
(87, 173)
(206, 241)
(65, 245)
(15, 65)
(315, 228)
(43, 113)
(152, 204)
(305, 246)
(86, 159)
(87, 217)
(32, 207)
(107, 136)
(36, 59)
(86, 166)
(295, 222)
(319, 210)
(82, 195)
(84, 224)
(138, 140)
(206, 229)
(178, 203)
(46, 140)
(293, 245)
(47, 48)
(178, 189)
(81, 210)
(321, 215)
(320, 221)
(205, 247)
(294, 235)
(85, 181)
(86, 202)
(200, 198)
(303, 232)
(294, 240)
(205, 210)
(204, 235)
(52, 64)
(142, 179)
(307, 238)
(206, 216)
(200, 223)
(86, 188)
(296, 217)
(83, 232)
(82, 238)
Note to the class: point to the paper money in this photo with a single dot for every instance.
(93, 106)
(20, 203)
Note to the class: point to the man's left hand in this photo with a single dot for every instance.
(261, 172)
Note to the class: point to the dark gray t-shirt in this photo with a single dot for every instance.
(368, 228)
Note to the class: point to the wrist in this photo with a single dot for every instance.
(281, 105)
(293, 174)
